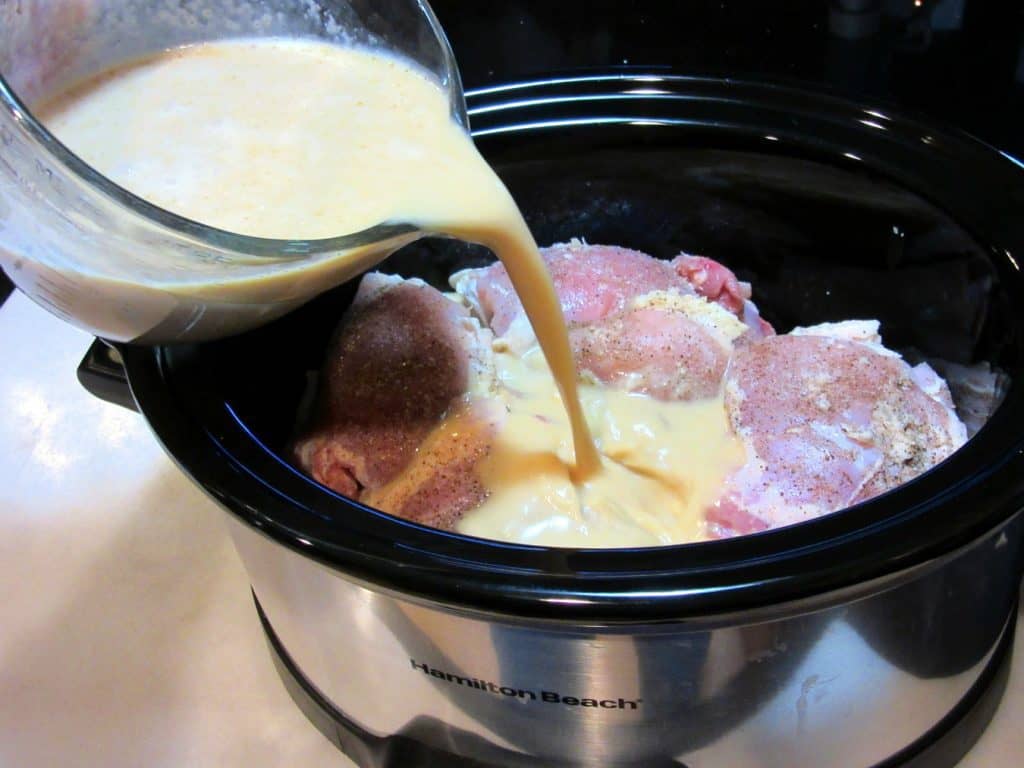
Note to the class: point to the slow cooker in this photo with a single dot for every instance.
(877, 636)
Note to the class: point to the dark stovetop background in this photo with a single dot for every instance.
(958, 61)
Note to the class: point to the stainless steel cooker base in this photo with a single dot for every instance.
(941, 747)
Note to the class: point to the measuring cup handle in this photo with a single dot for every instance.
(102, 375)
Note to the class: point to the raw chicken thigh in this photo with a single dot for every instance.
(404, 358)
(592, 283)
(826, 415)
(595, 282)
(654, 348)
(827, 420)
(661, 328)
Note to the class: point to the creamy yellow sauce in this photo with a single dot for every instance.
(304, 140)
(664, 464)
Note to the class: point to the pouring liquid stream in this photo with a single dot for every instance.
(514, 245)
(366, 139)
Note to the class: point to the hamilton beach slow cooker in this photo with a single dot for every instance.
(877, 636)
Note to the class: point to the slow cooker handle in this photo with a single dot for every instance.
(103, 375)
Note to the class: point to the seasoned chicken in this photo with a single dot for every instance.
(592, 283)
(418, 387)
(668, 345)
(828, 417)
(404, 358)
(639, 323)
(717, 283)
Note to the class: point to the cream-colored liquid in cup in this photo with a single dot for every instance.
(298, 139)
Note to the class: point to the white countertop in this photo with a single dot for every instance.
(127, 632)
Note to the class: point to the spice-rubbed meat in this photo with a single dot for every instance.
(411, 402)
(669, 346)
(828, 417)
(717, 283)
(440, 484)
(639, 323)
(596, 281)
(404, 357)
(592, 282)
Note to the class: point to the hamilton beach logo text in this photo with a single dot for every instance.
(551, 697)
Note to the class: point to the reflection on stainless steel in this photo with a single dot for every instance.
(848, 684)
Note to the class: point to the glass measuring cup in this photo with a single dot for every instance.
(66, 232)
